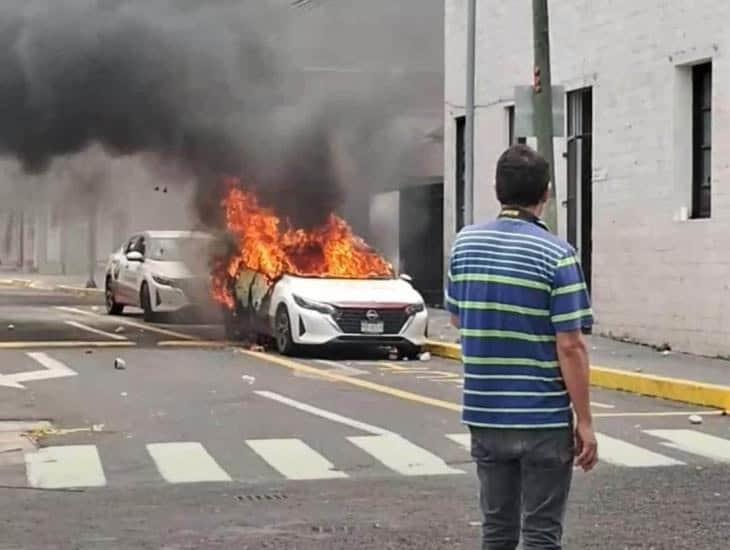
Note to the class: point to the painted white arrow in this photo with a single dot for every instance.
(52, 369)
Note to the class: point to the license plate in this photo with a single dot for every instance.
(368, 327)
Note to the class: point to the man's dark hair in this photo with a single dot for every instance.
(523, 176)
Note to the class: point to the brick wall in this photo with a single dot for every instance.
(656, 278)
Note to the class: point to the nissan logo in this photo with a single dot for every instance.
(372, 315)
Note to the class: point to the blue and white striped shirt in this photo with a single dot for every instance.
(513, 286)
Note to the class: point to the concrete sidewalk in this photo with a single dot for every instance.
(628, 367)
(74, 284)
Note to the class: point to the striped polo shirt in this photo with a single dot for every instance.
(513, 285)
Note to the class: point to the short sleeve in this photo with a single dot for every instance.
(570, 306)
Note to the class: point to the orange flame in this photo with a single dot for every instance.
(268, 246)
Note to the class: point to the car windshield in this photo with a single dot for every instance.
(176, 249)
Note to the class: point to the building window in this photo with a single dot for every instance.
(701, 140)
(460, 172)
(511, 128)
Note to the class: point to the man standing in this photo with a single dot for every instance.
(517, 294)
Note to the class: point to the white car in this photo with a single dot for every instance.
(314, 311)
(160, 272)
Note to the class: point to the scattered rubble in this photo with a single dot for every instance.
(248, 379)
(11, 327)
(119, 330)
(124, 394)
(695, 419)
(425, 356)
(120, 364)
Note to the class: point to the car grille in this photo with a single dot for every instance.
(196, 290)
(350, 319)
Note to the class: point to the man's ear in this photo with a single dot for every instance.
(546, 195)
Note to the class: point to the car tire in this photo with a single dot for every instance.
(146, 303)
(112, 306)
(410, 352)
(282, 332)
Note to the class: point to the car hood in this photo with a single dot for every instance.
(172, 270)
(354, 292)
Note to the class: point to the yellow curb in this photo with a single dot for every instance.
(196, 344)
(15, 283)
(78, 291)
(64, 344)
(674, 389)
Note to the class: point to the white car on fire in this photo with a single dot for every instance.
(160, 272)
(301, 311)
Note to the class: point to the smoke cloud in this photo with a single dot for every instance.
(205, 87)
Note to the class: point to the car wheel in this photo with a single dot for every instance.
(282, 332)
(146, 302)
(410, 352)
(112, 307)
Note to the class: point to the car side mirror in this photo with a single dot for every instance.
(406, 278)
(135, 256)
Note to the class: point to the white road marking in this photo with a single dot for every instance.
(294, 459)
(402, 456)
(53, 369)
(65, 467)
(186, 462)
(622, 453)
(697, 443)
(334, 417)
(346, 369)
(602, 405)
(131, 323)
(96, 331)
(462, 439)
(658, 413)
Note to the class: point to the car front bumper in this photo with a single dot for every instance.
(313, 328)
(185, 294)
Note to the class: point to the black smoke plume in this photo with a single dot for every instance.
(198, 84)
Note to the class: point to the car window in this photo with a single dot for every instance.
(177, 249)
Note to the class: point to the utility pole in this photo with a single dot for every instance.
(543, 100)
(91, 283)
(469, 108)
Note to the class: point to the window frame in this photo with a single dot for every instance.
(701, 106)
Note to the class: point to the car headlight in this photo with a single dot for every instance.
(320, 307)
(415, 308)
(160, 280)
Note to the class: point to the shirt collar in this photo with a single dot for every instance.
(519, 213)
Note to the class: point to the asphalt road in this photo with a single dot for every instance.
(200, 444)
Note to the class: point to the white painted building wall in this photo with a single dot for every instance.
(657, 277)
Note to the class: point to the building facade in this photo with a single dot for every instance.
(642, 175)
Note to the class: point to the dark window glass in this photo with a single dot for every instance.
(702, 141)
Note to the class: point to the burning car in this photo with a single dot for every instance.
(312, 287)
(297, 311)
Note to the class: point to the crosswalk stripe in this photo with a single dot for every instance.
(694, 442)
(622, 453)
(402, 456)
(65, 467)
(185, 462)
(462, 439)
(294, 459)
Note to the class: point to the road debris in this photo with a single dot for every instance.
(425, 356)
(248, 379)
(119, 330)
(120, 364)
(88, 351)
(11, 327)
(695, 419)
(124, 394)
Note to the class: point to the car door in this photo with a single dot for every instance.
(126, 276)
(134, 271)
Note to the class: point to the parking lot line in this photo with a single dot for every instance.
(96, 331)
(63, 344)
(131, 323)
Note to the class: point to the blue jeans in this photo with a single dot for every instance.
(525, 478)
